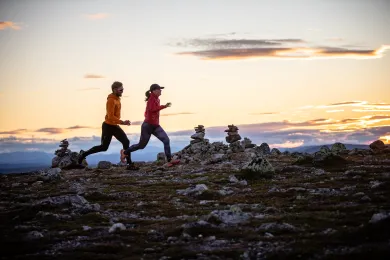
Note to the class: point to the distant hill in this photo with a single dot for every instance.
(315, 148)
(24, 167)
(30, 161)
(25, 158)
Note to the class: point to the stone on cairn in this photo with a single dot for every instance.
(233, 135)
(65, 158)
(233, 139)
(199, 134)
(247, 143)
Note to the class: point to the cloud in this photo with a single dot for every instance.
(176, 114)
(285, 53)
(93, 76)
(54, 130)
(374, 107)
(363, 105)
(97, 16)
(78, 127)
(51, 130)
(238, 49)
(8, 24)
(334, 111)
(14, 132)
(347, 103)
(265, 113)
(87, 89)
(276, 136)
(234, 43)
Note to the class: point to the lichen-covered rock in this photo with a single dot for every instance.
(232, 216)
(378, 145)
(247, 143)
(328, 160)
(263, 149)
(259, 165)
(65, 162)
(275, 151)
(52, 174)
(237, 147)
(116, 227)
(216, 158)
(338, 148)
(161, 157)
(104, 165)
(193, 191)
(324, 149)
(305, 159)
(55, 162)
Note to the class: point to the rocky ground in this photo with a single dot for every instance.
(215, 210)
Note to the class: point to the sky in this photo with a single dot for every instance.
(288, 73)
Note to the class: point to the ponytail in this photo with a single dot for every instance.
(147, 94)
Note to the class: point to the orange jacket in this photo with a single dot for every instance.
(113, 108)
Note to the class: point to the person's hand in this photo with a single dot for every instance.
(168, 104)
(126, 122)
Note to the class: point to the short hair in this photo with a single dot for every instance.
(116, 84)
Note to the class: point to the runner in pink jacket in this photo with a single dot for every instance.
(151, 126)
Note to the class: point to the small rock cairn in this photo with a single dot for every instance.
(64, 149)
(65, 158)
(199, 134)
(233, 139)
(233, 134)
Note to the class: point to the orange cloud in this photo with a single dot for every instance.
(97, 16)
(385, 139)
(51, 130)
(78, 127)
(265, 113)
(14, 132)
(334, 111)
(9, 24)
(93, 76)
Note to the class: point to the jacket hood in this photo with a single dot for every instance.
(112, 95)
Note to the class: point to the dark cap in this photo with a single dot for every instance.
(155, 86)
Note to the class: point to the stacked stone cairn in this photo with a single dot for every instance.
(201, 151)
(233, 134)
(199, 134)
(233, 138)
(65, 158)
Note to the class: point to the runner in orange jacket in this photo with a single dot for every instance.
(110, 126)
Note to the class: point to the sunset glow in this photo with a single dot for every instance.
(302, 79)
